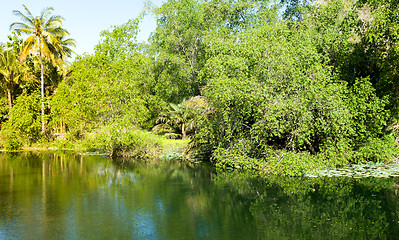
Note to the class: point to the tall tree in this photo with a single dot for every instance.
(45, 40)
(177, 42)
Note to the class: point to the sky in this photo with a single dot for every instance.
(84, 19)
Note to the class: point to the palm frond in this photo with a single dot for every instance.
(162, 128)
(24, 18)
(53, 22)
(27, 47)
(10, 67)
(51, 39)
(175, 107)
(69, 42)
(21, 27)
(46, 12)
(161, 119)
(59, 32)
(172, 135)
(48, 29)
(30, 15)
(48, 50)
(66, 51)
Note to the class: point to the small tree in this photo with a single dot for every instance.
(180, 120)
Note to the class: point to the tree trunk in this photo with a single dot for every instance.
(42, 91)
(9, 95)
(183, 131)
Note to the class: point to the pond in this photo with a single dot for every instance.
(71, 196)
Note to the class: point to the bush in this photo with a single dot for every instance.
(12, 141)
(275, 105)
(126, 141)
(24, 125)
(377, 150)
(238, 156)
(368, 114)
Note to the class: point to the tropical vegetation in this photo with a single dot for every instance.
(45, 40)
(270, 87)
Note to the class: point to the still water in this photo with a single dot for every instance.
(72, 196)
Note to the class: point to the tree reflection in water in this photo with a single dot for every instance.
(66, 195)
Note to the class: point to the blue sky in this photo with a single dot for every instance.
(84, 19)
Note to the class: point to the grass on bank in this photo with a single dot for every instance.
(113, 140)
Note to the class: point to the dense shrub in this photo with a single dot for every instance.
(278, 107)
(126, 141)
(24, 124)
(273, 99)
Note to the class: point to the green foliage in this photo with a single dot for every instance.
(315, 208)
(46, 40)
(126, 141)
(119, 42)
(272, 91)
(369, 115)
(275, 92)
(63, 116)
(4, 109)
(277, 162)
(377, 150)
(108, 97)
(13, 73)
(286, 97)
(294, 8)
(24, 125)
(236, 157)
(109, 85)
(177, 43)
(12, 141)
(377, 53)
(179, 122)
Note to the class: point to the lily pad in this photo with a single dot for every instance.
(377, 170)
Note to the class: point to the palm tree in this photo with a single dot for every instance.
(173, 123)
(11, 71)
(180, 119)
(45, 40)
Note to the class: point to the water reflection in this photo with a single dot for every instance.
(320, 208)
(69, 196)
